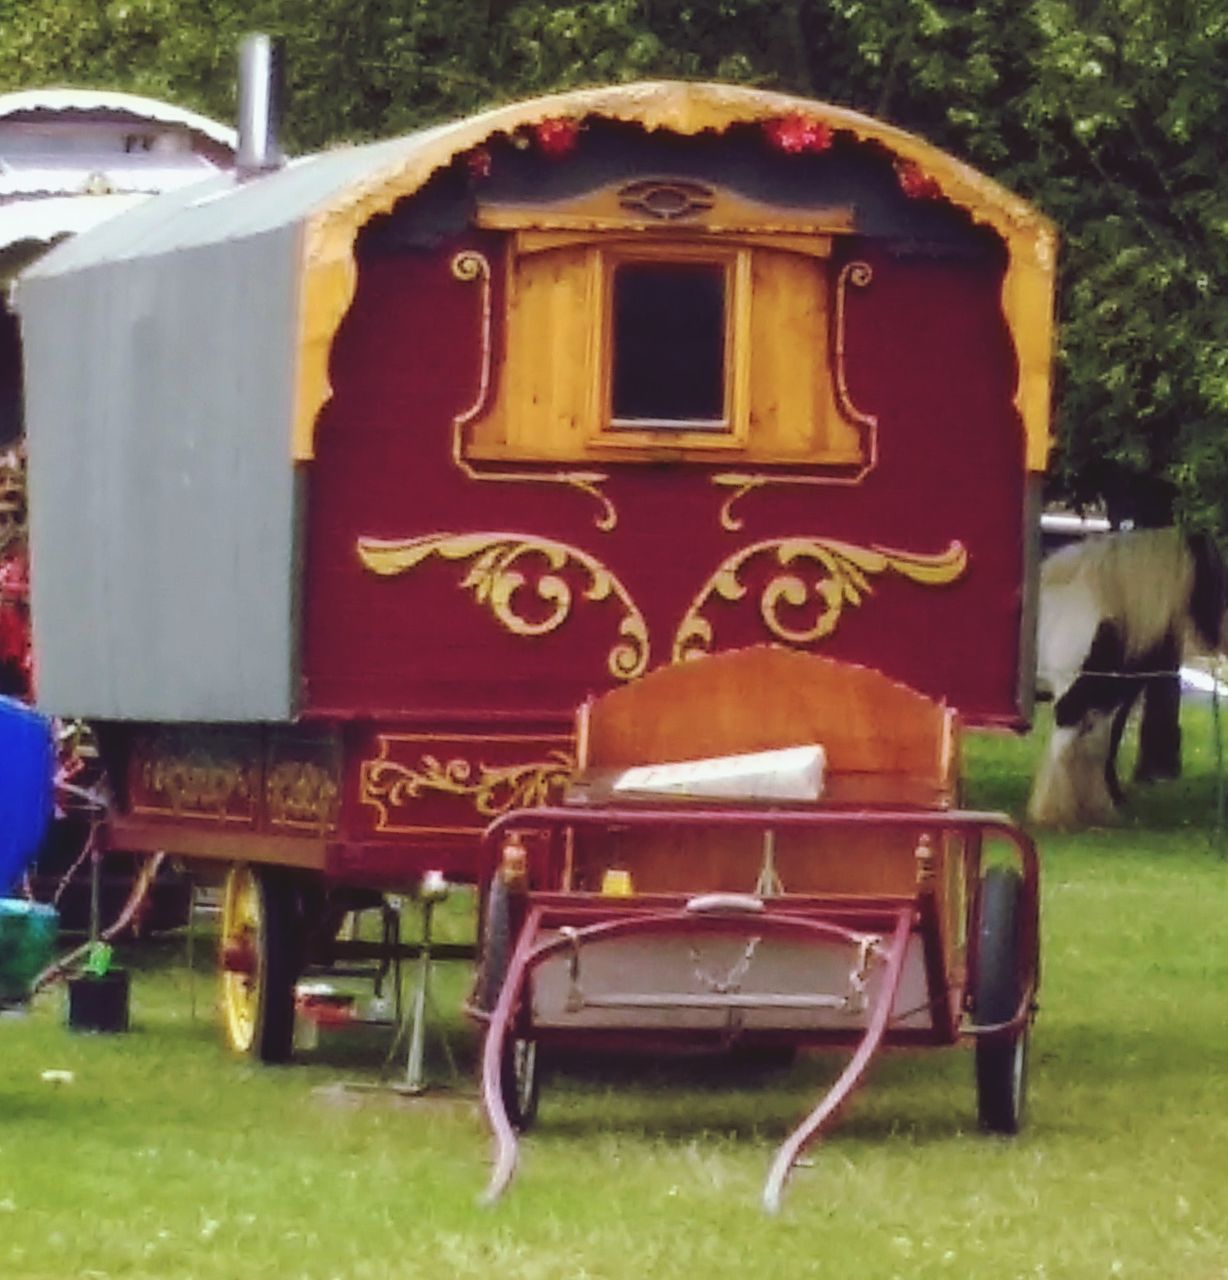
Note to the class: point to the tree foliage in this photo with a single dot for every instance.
(1106, 113)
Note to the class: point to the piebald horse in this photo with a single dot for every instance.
(1117, 614)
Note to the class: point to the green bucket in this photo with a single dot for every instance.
(27, 944)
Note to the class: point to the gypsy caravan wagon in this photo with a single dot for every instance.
(367, 471)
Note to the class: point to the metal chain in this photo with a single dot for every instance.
(732, 982)
(869, 952)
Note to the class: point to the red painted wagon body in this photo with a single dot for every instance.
(364, 473)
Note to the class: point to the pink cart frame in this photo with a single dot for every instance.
(554, 922)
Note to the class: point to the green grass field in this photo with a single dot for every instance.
(165, 1157)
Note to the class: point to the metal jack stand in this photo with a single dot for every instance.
(432, 891)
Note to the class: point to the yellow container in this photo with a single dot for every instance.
(616, 883)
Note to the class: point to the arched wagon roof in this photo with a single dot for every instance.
(327, 198)
(36, 104)
(67, 161)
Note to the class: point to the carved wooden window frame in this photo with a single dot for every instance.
(729, 432)
(550, 394)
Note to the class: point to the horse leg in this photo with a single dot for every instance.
(1159, 733)
(1053, 802)
(1071, 789)
(1120, 717)
(1075, 783)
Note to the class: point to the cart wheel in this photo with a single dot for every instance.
(495, 952)
(519, 1077)
(1001, 1061)
(260, 961)
(520, 1082)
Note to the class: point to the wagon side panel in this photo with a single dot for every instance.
(166, 513)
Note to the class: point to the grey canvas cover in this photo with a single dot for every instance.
(163, 510)
(160, 357)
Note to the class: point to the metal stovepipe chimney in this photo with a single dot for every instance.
(261, 86)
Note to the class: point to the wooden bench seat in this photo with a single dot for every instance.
(886, 746)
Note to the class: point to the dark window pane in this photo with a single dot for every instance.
(669, 341)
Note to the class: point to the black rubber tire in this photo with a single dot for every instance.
(519, 1077)
(494, 946)
(520, 1081)
(1001, 1061)
(280, 945)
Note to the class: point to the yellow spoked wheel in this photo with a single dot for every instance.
(241, 929)
(259, 961)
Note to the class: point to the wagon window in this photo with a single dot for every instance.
(606, 346)
(667, 347)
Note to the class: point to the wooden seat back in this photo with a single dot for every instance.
(884, 742)
(886, 746)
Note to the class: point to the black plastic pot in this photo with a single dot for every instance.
(98, 1002)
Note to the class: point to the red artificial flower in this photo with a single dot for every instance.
(557, 137)
(915, 182)
(15, 578)
(16, 647)
(14, 636)
(796, 134)
(478, 162)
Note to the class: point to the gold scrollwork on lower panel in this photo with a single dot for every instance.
(303, 795)
(820, 573)
(505, 563)
(196, 784)
(389, 784)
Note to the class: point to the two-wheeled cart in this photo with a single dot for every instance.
(866, 909)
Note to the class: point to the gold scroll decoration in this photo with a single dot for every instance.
(504, 564)
(302, 794)
(199, 783)
(819, 573)
(391, 784)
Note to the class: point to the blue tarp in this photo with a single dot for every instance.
(27, 765)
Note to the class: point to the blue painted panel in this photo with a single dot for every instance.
(26, 780)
